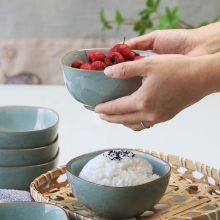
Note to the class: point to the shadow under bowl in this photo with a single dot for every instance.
(21, 177)
(92, 87)
(118, 202)
(28, 157)
(31, 210)
(23, 127)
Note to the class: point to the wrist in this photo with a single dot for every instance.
(209, 37)
(207, 72)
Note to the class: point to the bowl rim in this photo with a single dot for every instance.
(32, 166)
(31, 202)
(100, 71)
(32, 149)
(117, 186)
(24, 106)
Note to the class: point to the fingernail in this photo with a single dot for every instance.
(101, 116)
(109, 71)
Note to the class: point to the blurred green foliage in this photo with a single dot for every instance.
(169, 20)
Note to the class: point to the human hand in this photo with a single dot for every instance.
(195, 42)
(170, 84)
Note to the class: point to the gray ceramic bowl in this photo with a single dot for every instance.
(28, 157)
(92, 87)
(118, 202)
(31, 211)
(25, 127)
(21, 177)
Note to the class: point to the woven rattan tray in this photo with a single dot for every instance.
(193, 192)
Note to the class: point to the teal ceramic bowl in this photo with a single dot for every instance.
(31, 211)
(118, 202)
(92, 87)
(28, 157)
(21, 177)
(23, 127)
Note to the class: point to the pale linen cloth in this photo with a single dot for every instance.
(11, 195)
(42, 56)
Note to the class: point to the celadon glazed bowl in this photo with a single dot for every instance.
(28, 157)
(21, 177)
(92, 87)
(31, 211)
(23, 127)
(118, 202)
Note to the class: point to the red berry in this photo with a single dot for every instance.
(138, 58)
(77, 64)
(110, 51)
(98, 65)
(95, 55)
(123, 49)
(133, 55)
(86, 66)
(113, 58)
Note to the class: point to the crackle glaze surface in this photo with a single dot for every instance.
(31, 211)
(28, 157)
(94, 87)
(23, 127)
(118, 202)
(21, 177)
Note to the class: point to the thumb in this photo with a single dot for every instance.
(126, 69)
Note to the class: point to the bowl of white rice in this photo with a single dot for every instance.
(118, 183)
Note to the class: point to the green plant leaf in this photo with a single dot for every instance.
(153, 6)
(118, 18)
(107, 26)
(150, 3)
(102, 16)
(157, 3)
(169, 26)
(175, 16)
(145, 17)
(169, 20)
(103, 20)
(163, 21)
(217, 18)
(142, 27)
(175, 19)
(145, 12)
(137, 27)
(204, 23)
(142, 32)
(168, 13)
(150, 24)
(175, 10)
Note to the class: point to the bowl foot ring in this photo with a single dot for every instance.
(89, 107)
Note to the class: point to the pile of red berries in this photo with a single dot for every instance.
(98, 61)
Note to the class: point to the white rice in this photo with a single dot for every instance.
(118, 168)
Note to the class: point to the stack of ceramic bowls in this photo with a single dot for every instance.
(28, 144)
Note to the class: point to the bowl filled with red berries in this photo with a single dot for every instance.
(84, 77)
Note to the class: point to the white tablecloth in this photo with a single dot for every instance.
(193, 134)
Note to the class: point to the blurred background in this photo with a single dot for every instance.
(35, 35)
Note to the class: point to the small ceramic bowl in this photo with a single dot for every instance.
(21, 177)
(23, 127)
(31, 210)
(92, 87)
(118, 202)
(28, 157)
